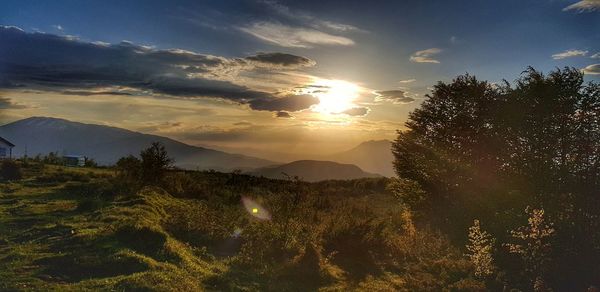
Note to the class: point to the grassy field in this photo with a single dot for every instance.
(53, 239)
(58, 232)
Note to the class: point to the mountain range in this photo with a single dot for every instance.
(41, 135)
(372, 156)
(313, 170)
(105, 144)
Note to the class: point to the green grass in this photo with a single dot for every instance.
(48, 243)
(65, 229)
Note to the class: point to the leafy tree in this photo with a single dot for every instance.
(129, 167)
(53, 158)
(480, 247)
(90, 162)
(532, 243)
(155, 162)
(480, 150)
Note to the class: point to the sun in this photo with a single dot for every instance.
(335, 96)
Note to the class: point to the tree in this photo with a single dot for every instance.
(532, 243)
(129, 167)
(155, 162)
(90, 162)
(474, 149)
(480, 247)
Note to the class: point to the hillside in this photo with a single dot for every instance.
(313, 170)
(41, 135)
(78, 229)
(372, 156)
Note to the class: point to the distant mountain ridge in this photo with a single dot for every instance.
(41, 135)
(313, 170)
(372, 156)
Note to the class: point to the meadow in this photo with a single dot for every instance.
(73, 229)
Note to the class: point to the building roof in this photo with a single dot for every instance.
(7, 142)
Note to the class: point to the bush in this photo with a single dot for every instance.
(10, 170)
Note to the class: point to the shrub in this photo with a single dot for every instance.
(10, 170)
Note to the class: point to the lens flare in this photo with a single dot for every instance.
(255, 209)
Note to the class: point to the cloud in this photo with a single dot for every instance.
(593, 69)
(7, 103)
(282, 59)
(395, 96)
(424, 56)
(96, 92)
(283, 114)
(595, 56)
(67, 65)
(569, 54)
(293, 37)
(308, 19)
(356, 111)
(584, 6)
(290, 103)
(58, 27)
(407, 81)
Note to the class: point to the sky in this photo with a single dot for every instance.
(274, 79)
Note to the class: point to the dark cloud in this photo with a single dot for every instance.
(89, 92)
(356, 111)
(395, 96)
(283, 114)
(71, 66)
(290, 103)
(282, 59)
(7, 103)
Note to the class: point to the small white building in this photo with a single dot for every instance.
(5, 148)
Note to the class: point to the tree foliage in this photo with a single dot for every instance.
(481, 150)
(155, 162)
(480, 247)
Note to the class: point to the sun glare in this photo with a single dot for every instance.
(335, 96)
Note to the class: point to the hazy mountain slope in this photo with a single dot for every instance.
(372, 156)
(107, 144)
(313, 170)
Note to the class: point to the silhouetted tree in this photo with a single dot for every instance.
(481, 150)
(129, 167)
(155, 162)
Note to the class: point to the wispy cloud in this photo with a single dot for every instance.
(7, 103)
(584, 6)
(593, 69)
(357, 111)
(595, 56)
(407, 81)
(281, 59)
(58, 27)
(288, 36)
(395, 96)
(308, 19)
(569, 54)
(425, 56)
